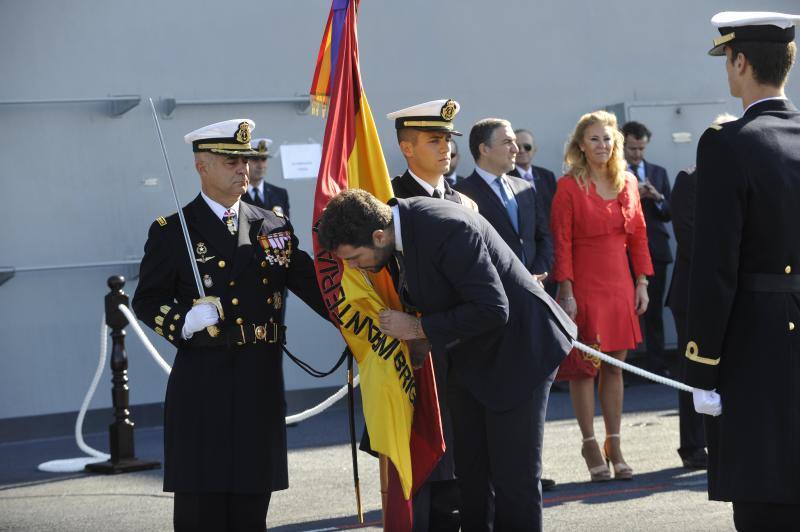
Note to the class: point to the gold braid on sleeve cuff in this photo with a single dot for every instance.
(693, 354)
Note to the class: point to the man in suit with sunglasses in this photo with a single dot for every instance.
(542, 179)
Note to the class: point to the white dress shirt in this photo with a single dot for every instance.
(220, 209)
(764, 100)
(427, 186)
(260, 188)
(398, 237)
(491, 180)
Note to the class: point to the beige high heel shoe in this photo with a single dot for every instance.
(622, 471)
(597, 473)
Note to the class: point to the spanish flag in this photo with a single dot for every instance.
(400, 406)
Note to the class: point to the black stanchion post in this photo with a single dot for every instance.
(123, 459)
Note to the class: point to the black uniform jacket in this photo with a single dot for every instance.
(657, 216)
(682, 205)
(533, 238)
(224, 427)
(405, 186)
(274, 196)
(503, 334)
(545, 182)
(744, 302)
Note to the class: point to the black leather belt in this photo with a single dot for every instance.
(255, 333)
(769, 282)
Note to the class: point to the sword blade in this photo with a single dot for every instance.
(200, 290)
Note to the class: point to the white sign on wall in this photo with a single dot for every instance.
(300, 161)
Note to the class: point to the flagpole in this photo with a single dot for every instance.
(383, 464)
(353, 450)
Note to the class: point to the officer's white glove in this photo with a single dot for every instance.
(198, 318)
(707, 402)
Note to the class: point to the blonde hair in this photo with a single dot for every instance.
(575, 160)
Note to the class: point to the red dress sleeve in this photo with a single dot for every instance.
(561, 226)
(637, 237)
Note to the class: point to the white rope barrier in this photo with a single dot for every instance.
(633, 369)
(71, 465)
(145, 340)
(305, 414)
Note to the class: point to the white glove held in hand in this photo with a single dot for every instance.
(198, 318)
(707, 402)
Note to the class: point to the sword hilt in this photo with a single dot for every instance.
(213, 330)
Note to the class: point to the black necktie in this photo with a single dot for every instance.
(398, 272)
(257, 198)
(436, 194)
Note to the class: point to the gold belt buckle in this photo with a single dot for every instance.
(274, 334)
(261, 332)
(241, 342)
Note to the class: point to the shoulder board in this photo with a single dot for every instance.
(161, 221)
(467, 201)
(715, 127)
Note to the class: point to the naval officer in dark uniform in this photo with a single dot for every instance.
(224, 429)
(259, 192)
(424, 136)
(744, 292)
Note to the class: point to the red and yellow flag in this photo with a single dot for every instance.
(400, 406)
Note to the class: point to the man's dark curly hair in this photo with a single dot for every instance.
(350, 219)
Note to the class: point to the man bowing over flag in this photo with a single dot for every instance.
(400, 406)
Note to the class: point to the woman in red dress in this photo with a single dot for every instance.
(597, 222)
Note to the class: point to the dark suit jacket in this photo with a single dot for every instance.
(545, 182)
(503, 334)
(682, 204)
(657, 217)
(405, 186)
(274, 196)
(224, 428)
(534, 232)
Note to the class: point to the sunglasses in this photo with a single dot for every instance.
(526, 147)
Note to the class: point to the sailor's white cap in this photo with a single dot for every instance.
(231, 137)
(437, 115)
(261, 147)
(752, 26)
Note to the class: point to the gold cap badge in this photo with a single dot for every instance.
(243, 133)
(448, 110)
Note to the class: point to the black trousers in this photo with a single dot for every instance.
(499, 460)
(437, 507)
(690, 423)
(220, 512)
(766, 517)
(653, 319)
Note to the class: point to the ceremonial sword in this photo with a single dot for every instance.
(213, 330)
